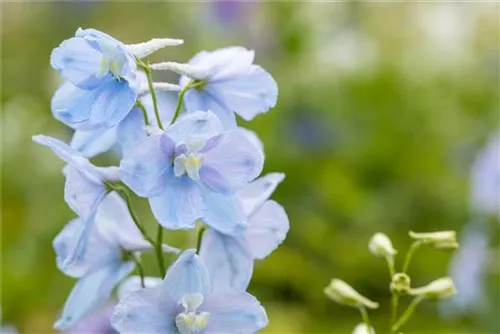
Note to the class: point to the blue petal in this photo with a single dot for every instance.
(228, 259)
(231, 163)
(187, 275)
(91, 292)
(248, 92)
(111, 103)
(69, 105)
(150, 310)
(114, 223)
(78, 62)
(195, 100)
(133, 283)
(233, 311)
(258, 191)
(83, 193)
(196, 124)
(94, 142)
(223, 212)
(267, 228)
(145, 167)
(180, 205)
(80, 248)
(131, 130)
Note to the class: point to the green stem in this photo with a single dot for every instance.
(414, 246)
(407, 314)
(159, 251)
(156, 245)
(122, 191)
(390, 265)
(139, 104)
(364, 315)
(147, 70)
(394, 304)
(140, 269)
(193, 84)
(200, 237)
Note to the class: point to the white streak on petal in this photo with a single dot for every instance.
(142, 50)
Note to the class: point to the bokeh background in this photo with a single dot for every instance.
(383, 108)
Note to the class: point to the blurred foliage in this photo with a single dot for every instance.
(382, 109)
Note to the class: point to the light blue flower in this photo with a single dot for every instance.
(104, 262)
(485, 179)
(192, 171)
(229, 259)
(128, 132)
(185, 303)
(233, 84)
(102, 82)
(468, 270)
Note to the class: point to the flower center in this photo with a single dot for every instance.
(190, 322)
(189, 162)
(113, 60)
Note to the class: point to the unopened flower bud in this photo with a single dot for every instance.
(445, 240)
(362, 328)
(343, 293)
(439, 289)
(400, 283)
(380, 245)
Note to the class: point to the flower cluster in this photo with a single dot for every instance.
(192, 162)
(381, 246)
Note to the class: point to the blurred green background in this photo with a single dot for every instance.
(382, 109)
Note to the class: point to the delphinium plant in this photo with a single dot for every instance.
(400, 285)
(192, 163)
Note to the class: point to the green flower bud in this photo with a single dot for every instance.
(380, 245)
(445, 240)
(438, 289)
(343, 293)
(400, 283)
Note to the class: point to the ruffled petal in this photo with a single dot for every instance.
(233, 312)
(83, 193)
(267, 228)
(195, 100)
(150, 310)
(144, 169)
(223, 212)
(91, 292)
(180, 205)
(94, 142)
(228, 259)
(188, 275)
(77, 61)
(80, 248)
(231, 162)
(197, 124)
(258, 191)
(249, 92)
(111, 103)
(133, 283)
